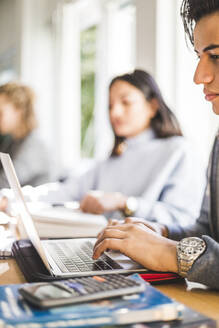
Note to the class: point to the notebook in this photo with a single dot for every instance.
(66, 257)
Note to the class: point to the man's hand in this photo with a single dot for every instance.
(98, 202)
(155, 226)
(141, 244)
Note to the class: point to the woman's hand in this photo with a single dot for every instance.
(98, 202)
(141, 244)
(3, 204)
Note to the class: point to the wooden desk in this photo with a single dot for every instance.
(204, 301)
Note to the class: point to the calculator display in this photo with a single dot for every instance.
(50, 291)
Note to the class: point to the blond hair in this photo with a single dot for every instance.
(23, 99)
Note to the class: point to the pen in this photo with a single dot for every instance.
(70, 205)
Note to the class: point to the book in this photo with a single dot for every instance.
(61, 222)
(190, 319)
(150, 305)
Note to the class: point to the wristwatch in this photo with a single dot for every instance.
(188, 250)
(131, 206)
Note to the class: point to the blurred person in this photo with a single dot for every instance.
(152, 171)
(18, 137)
(191, 251)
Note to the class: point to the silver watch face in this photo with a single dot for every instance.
(188, 250)
(192, 246)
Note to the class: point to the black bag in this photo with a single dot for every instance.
(30, 262)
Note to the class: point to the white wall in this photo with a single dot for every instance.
(7, 24)
(37, 59)
(165, 55)
(9, 45)
(195, 114)
(69, 87)
(146, 35)
(175, 66)
(161, 49)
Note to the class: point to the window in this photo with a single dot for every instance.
(95, 42)
(88, 59)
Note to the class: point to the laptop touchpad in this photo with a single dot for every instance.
(123, 260)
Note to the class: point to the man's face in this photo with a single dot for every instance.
(206, 44)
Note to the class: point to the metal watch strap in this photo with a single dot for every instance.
(188, 251)
(184, 266)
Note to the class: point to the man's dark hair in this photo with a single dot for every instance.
(165, 123)
(193, 10)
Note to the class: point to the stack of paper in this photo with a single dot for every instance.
(61, 222)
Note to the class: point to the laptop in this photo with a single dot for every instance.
(66, 257)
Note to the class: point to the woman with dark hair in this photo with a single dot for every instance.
(151, 172)
(192, 251)
(164, 123)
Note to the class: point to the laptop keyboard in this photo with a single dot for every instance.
(78, 258)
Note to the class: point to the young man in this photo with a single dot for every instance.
(196, 256)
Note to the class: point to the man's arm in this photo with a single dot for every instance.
(199, 228)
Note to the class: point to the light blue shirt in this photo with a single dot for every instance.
(165, 175)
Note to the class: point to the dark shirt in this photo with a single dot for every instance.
(205, 269)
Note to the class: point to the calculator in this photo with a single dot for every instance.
(77, 290)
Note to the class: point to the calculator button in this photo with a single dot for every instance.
(98, 278)
(98, 284)
(77, 287)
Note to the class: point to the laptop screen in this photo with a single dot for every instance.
(21, 206)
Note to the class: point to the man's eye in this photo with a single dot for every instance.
(214, 56)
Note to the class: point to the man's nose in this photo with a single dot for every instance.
(204, 73)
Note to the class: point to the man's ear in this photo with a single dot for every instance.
(154, 107)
